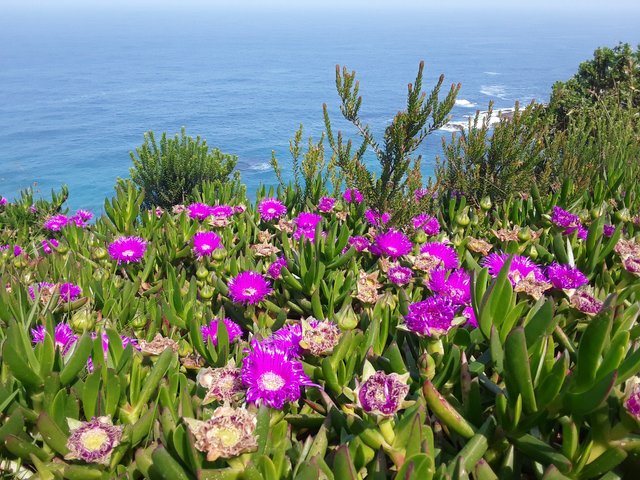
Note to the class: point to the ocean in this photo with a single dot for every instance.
(78, 89)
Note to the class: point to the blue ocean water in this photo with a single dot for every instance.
(79, 88)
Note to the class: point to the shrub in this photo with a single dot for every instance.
(170, 171)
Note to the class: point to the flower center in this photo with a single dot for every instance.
(249, 292)
(271, 381)
(94, 439)
(227, 382)
(228, 436)
(127, 253)
(271, 210)
(205, 247)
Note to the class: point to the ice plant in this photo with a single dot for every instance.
(632, 402)
(565, 276)
(563, 218)
(288, 339)
(426, 222)
(352, 195)
(63, 336)
(228, 433)
(307, 221)
(272, 377)
(127, 249)
(221, 211)
(584, 301)
(326, 204)
(93, 441)
(204, 243)
(520, 267)
(271, 208)
(376, 219)
(210, 332)
(276, 267)
(382, 394)
(55, 223)
(69, 292)
(446, 255)
(158, 345)
(249, 288)
(319, 337)
(392, 243)
(433, 316)
(399, 275)
(199, 211)
(359, 243)
(43, 287)
(455, 285)
(222, 384)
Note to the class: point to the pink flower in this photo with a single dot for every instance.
(199, 211)
(204, 243)
(446, 254)
(326, 204)
(352, 195)
(56, 223)
(271, 208)
(249, 288)
(399, 275)
(392, 243)
(127, 249)
(429, 224)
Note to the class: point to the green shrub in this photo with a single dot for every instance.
(170, 171)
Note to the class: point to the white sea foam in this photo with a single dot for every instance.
(465, 103)
(259, 167)
(498, 91)
(496, 116)
(491, 73)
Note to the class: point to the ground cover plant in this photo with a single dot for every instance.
(301, 336)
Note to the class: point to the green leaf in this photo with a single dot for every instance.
(78, 360)
(518, 370)
(343, 466)
(589, 351)
(51, 434)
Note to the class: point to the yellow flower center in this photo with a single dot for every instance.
(271, 381)
(228, 436)
(94, 439)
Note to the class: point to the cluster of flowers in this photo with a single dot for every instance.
(202, 211)
(56, 223)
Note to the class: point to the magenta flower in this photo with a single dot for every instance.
(49, 245)
(583, 301)
(287, 339)
(455, 285)
(210, 332)
(433, 316)
(199, 211)
(326, 204)
(565, 276)
(520, 267)
(359, 243)
(40, 286)
(3, 201)
(17, 250)
(376, 219)
(93, 441)
(56, 222)
(272, 377)
(470, 316)
(564, 219)
(420, 193)
(63, 336)
(204, 243)
(33, 209)
(429, 224)
(399, 275)
(392, 243)
(608, 230)
(444, 253)
(221, 211)
(249, 288)
(382, 393)
(84, 215)
(127, 249)
(306, 225)
(276, 267)
(271, 208)
(69, 292)
(632, 403)
(352, 195)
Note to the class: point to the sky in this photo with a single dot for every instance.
(458, 5)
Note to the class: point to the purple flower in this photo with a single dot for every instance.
(565, 276)
(306, 225)
(204, 243)
(84, 215)
(352, 195)
(400, 275)
(93, 441)
(583, 301)
(382, 394)
(271, 208)
(326, 204)
(376, 219)
(429, 224)
(455, 285)
(470, 316)
(433, 316)
(48, 244)
(221, 211)
(249, 288)
(69, 292)
(17, 250)
(199, 211)
(3, 201)
(127, 249)
(40, 286)
(520, 267)
(420, 193)
(446, 254)
(582, 232)
(272, 377)
(56, 222)
(564, 219)
(210, 332)
(392, 243)
(359, 243)
(609, 230)
(287, 339)
(63, 336)
(276, 267)
(33, 209)
(632, 403)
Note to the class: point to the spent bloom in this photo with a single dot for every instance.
(392, 243)
(276, 267)
(222, 384)
(204, 243)
(45, 289)
(210, 332)
(93, 441)
(272, 378)
(520, 267)
(228, 433)
(455, 285)
(63, 336)
(426, 222)
(199, 211)
(584, 301)
(249, 288)
(433, 316)
(399, 275)
(319, 337)
(632, 402)
(127, 249)
(271, 208)
(326, 204)
(447, 256)
(352, 195)
(565, 276)
(382, 394)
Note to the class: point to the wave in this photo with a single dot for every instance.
(498, 91)
(497, 115)
(465, 103)
(491, 73)
(259, 167)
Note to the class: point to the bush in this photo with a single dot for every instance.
(170, 171)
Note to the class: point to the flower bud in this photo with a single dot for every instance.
(456, 240)
(462, 218)
(420, 237)
(532, 252)
(206, 292)
(99, 253)
(584, 215)
(524, 234)
(202, 272)
(139, 322)
(347, 318)
(427, 365)
(622, 215)
(62, 248)
(474, 218)
(219, 254)
(485, 203)
(82, 321)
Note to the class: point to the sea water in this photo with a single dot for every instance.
(78, 88)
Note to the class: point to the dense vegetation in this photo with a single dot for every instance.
(346, 325)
